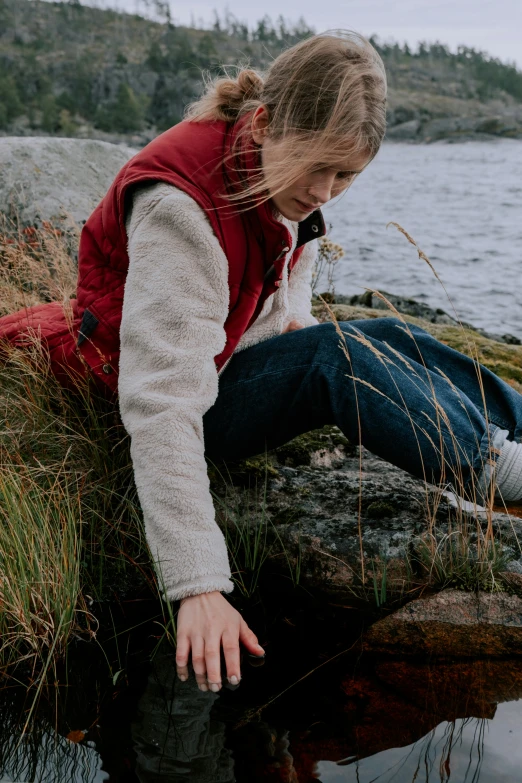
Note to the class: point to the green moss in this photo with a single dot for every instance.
(380, 509)
(299, 450)
(243, 473)
(503, 359)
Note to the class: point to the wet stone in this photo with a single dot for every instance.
(451, 624)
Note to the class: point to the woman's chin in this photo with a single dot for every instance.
(292, 211)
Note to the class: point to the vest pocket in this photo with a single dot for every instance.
(87, 326)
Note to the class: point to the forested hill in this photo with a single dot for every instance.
(69, 69)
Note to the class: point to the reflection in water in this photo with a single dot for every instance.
(42, 756)
(471, 750)
(385, 721)
(53, 760)
(395, 722)
(175, 736)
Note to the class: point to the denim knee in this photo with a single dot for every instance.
(381, 328)
(330, 341)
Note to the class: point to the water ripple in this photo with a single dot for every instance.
(462, 205)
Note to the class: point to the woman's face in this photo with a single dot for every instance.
(313, 189)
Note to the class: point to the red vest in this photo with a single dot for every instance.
(199, 159)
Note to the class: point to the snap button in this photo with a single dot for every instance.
(315, 228)
(107, 369)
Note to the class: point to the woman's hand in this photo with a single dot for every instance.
(293, 326)
(205, 623)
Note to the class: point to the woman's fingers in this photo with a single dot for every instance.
(182, 655)
(293, 326)
(206, 623)
(249, 639)
(232, 660)
(198, 662)
(213, 664)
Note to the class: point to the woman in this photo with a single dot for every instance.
(197, 266)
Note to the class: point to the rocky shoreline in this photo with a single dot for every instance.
(417, 128)
(414, 126)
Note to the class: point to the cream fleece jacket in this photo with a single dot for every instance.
(174, 309)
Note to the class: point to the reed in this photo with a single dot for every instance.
(70, 521)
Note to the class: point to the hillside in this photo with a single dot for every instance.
(66, 69)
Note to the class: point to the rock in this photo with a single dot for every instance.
(315, 511)
(451, 624)
(405, 131)
(315, 497)
(434, 315)
(327, 508)
(402, 304)
(509, 126)
(56, 179)
(448, 123)
(499, 126)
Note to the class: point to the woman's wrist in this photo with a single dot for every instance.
(198, 595)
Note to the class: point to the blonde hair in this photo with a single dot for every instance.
(325, 97)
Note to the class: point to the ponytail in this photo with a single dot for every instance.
(228, 98)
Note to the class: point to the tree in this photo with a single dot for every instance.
(50, 121)
(124, 115)
(10, 104)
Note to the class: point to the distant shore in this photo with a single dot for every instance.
(481, 128)
(451, 129)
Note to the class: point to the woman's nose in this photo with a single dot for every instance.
(321, 189)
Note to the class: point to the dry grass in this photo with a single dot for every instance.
(69, 514)
(463, 550)
(70, 521)
(35, 265)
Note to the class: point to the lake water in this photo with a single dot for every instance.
(462, 203)
(316, 711)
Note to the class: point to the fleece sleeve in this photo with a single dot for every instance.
(300, 286)
(174, 309)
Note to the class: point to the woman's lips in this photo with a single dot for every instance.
(305, 207)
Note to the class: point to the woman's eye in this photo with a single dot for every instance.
(345, 174)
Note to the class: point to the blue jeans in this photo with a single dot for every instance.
(394, 388)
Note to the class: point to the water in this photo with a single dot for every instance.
(324, 713)
(462, 203)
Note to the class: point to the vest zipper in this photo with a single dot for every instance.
(225, 365)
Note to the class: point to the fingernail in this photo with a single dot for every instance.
(203, 686)
(252, 655)
(183, 677)
(215, 687)
(233, 680)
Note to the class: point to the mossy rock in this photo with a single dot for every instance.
(299, 451)
(251, 472)
(289, 515)
(296, 453)
(381, 509)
